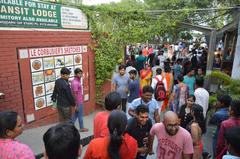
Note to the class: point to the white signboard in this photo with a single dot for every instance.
(73, 18)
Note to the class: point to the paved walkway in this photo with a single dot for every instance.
(33, 137)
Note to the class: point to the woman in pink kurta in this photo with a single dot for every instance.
(11, 127)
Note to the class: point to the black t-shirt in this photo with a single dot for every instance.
(139, 133)
(186, 118)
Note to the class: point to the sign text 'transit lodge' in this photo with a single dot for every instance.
(36, 14)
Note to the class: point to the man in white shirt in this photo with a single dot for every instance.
(202, 95)
(161, 58)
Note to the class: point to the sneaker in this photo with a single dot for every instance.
(83, 130)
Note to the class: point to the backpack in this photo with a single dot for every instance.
(160, 92)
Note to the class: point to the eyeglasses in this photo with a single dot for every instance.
(170, 126)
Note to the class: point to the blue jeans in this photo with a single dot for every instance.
(78, 115)
(214, 141)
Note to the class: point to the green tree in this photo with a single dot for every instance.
(116, 25)
(209, 17)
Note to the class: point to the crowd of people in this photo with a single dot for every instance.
(148, 86)
(166, 83)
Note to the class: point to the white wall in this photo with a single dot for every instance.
(236, 62)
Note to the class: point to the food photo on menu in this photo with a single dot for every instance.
(59, 61)
(39, 90)
(77, 59)
(48, 63)
(40, 103)
(36, 64)
(49, 87)
(37, 78)
(49, 75)
(69, 60)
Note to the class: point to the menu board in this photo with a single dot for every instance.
(45, 71)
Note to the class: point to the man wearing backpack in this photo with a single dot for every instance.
(159, 85)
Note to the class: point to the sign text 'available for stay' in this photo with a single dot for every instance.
(35, 14)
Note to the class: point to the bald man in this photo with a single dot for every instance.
(174, 142)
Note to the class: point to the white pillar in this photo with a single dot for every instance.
(236, 62)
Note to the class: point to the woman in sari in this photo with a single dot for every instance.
(169, 79)
(145, 77)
